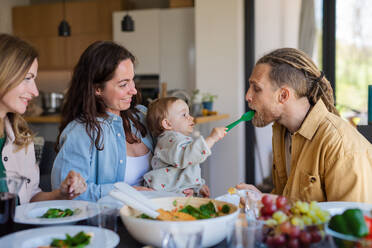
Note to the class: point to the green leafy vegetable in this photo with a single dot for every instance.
(145, 216)
(225, 209)
(80, 240)
(57, 213)
(205, 211)
(208, 209)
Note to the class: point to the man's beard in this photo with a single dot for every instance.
(258, 120)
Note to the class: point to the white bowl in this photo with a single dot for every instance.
(150, 232)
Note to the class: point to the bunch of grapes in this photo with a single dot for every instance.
(296, 225)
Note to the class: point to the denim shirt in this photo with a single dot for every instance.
(100, 169)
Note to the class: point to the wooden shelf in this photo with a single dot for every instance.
(210, 118)
(44, 119)
(57, 118)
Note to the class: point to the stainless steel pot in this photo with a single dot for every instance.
(52, 102)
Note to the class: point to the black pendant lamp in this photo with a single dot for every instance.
(127, 24)
(64, 28)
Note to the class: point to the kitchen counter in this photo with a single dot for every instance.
(57, 118)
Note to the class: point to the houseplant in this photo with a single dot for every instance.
(208, 100)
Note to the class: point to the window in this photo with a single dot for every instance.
(353, 55)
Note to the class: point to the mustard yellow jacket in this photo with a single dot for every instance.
(331, 160)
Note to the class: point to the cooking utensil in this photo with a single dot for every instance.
(140, 203)
(135, 203)
(245, 117)
(129, 190)
(52, 102)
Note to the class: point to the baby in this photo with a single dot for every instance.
(177, 156)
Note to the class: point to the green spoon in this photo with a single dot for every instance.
(246, 117)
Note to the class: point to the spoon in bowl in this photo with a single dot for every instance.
(245, 117)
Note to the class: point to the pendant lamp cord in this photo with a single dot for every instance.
(64, 10)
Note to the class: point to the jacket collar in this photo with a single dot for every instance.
(313, 120)
(9, 130)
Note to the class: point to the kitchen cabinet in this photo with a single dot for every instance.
(38, 24)
(51, 51)
(163, 43)
(37, 20)
(76, 44)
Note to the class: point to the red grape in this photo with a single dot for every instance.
(295, 232)
(293, 243)
(315, 237)
(281, 202)
(270, 241)
(266, 200)
(279, 240)
(286, 227)
(262, 217)
(268, 210)
(305, 238)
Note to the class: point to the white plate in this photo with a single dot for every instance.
(149, 194)
(339, 207)
(30, 213)
(43, 236)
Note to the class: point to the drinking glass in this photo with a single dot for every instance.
(187, 237)
(246, 234)
(10, 184)
(104, 216)
(251, 199)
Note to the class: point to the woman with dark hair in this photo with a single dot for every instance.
(18, 70)
(103, 134)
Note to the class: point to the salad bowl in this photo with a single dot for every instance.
(151, 232)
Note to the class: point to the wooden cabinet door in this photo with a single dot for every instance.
(52, 51)
(37, 20)
(26, 20)
(82, 17)
(76, 45)
(38, 24)
(106, 8)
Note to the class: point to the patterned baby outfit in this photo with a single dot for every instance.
(175, 164)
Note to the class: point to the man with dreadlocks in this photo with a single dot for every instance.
(317, 156)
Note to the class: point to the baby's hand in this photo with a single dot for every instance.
(204, 191)
(216, 134)
(188, 192)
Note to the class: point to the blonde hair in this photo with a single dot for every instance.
(157, 112)
(16, 58)
(295, 68)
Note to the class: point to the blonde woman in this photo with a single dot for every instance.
(18, 70)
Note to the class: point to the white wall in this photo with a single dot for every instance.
(163, 42)
(177, 48)
(219, 40)
(6, 14)
(276, 25)
(219, 44)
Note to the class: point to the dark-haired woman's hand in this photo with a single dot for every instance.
(73, 185)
